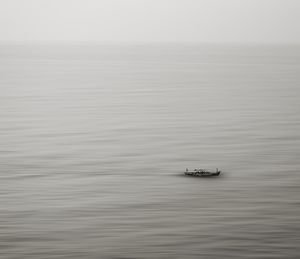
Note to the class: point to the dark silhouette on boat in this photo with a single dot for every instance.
(202, 173)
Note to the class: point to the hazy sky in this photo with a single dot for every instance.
(275, 21)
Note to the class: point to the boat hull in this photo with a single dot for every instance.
(202, 173)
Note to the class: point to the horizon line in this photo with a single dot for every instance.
(118, 43)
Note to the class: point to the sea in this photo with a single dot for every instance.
(94, 140)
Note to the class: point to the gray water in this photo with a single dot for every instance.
(94, 140)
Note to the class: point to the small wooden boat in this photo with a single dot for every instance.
(202, 173)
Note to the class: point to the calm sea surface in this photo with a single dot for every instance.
(94, 140)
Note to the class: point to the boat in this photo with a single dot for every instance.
(202, 173)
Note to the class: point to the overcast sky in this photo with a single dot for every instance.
(274, 21)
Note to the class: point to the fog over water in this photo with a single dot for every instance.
(94, 141)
